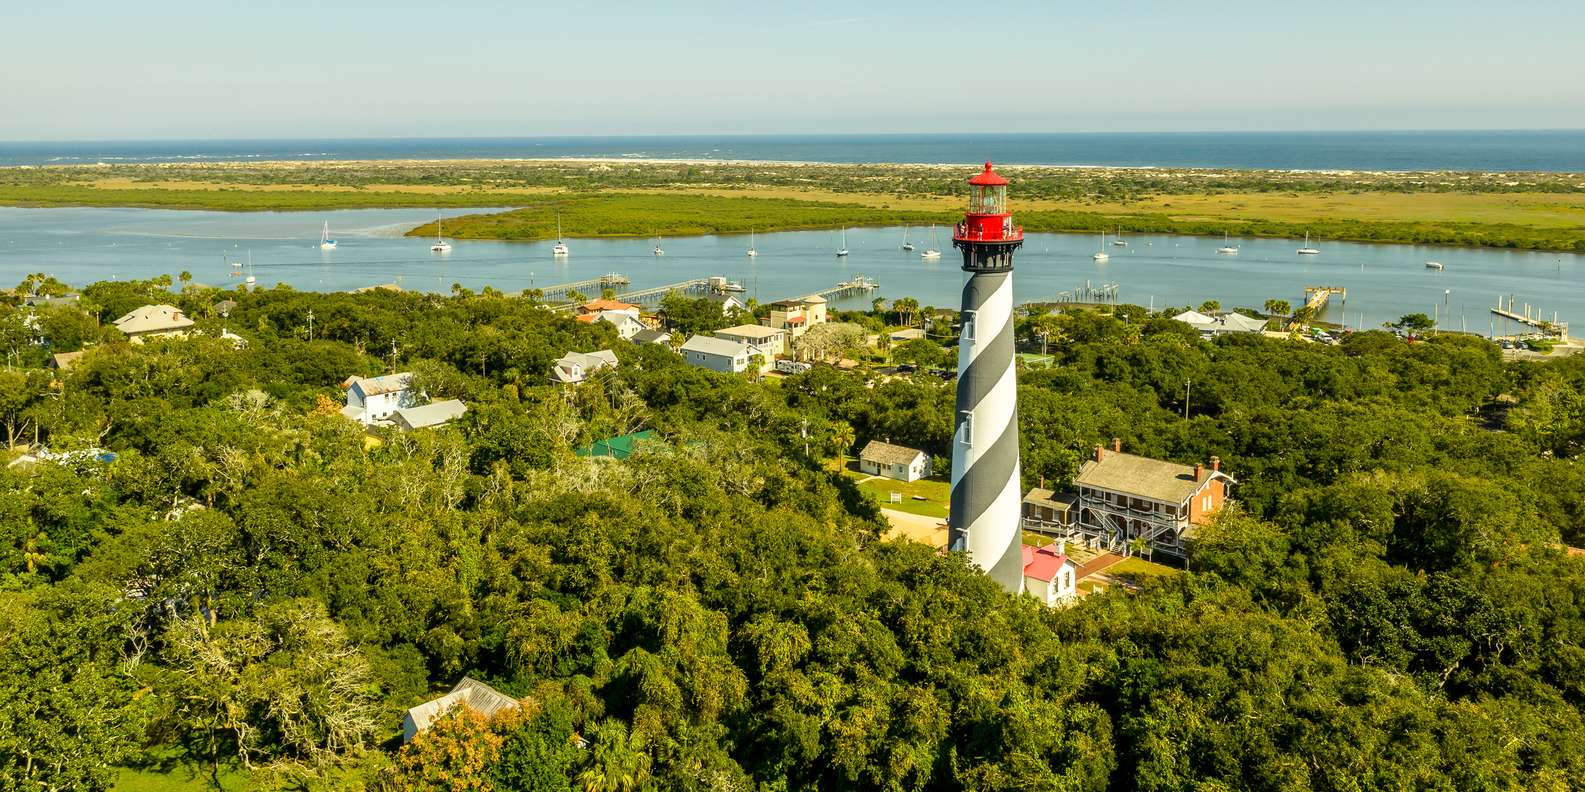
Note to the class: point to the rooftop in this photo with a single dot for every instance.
(888, 454)
(750, 331)
(1050, 499)
(433, 414)
(1141, 477)
(647, 336)
(1043, 563)
(470, 693)
(374, 386)
(619, 447)
(151, 319)
(710, 345)
(595, 306)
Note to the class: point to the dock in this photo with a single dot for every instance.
(1530, 318)
(610, 280)
(1315, 300)
(694, 286)
(858, 285)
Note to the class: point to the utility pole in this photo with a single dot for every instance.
(310, 324)
(1186, 385)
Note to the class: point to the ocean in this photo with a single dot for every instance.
(1556, 151)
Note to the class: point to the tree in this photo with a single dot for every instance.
(1210, 306)
(1416, 322)
(830, 340)
(842, 439)
(616, 762)
(1276, 307)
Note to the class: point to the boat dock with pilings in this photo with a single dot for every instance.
(609, 280)
(858, 285)
(1505, 310)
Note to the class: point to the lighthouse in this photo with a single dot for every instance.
(984, 521)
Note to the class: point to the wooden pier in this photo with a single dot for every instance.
(694, 286)
(610, 280)
(1315, 300)
(859, 285)
(1530, 319)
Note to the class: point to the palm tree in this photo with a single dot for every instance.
(616, 763)
(842, 437)
(877, 305)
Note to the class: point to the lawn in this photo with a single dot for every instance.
(182, 778)
(935, 491)
(1138, 570)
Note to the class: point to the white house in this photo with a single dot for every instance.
(153, 320)
(575, 367)
(433, 414)
(371, 400)
(768, 339)
(894, 461)
(1049, 574)
(718, 354)
(1212, 326)
(469, 693)
(728, 303)
(627, 325)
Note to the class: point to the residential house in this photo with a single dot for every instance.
(1049, 575)
(619, 447)
(575, 367)
(154, 320)
(1048, 510)
(718, 354)
(729, 303)
(627, 324)
(429, 415)
(797, 315)
(769, 339)
(62, 361)
(372, 400)
(236, 341)
(46, 301)
(225, 307)
(652, 337)
(894, 461)
(469, 693)
(1123, 498)
(602, 305)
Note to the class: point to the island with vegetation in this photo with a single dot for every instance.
(211, 577)
(1538, 211)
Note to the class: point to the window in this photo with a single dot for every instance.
(966, 428)
(968, 326)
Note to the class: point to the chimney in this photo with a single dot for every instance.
(1199, 472)
(1099, 452)
(1042, 482)
(1216, 464)
(1117, 444)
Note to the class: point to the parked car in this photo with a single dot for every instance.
(791, 367)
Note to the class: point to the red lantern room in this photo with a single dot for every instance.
(987, 235)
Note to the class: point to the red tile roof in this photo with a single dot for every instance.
(596, 306)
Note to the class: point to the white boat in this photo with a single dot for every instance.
(842, 252)
(250, 280)
(441, 245)
(1227, 249)
(658, 250)
(907, 246)
(732, 286)
(560, 248)
(1119, 240)
(934, 251)
(325, 242)
(1434, 265)
(1101, 254)
(751, 251)
(1307, 250)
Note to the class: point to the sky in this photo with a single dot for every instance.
(177, 69)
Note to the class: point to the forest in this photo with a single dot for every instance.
(215, 580)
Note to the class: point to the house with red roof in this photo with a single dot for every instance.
(1049, 574)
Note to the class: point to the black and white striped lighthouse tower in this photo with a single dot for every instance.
(985, 485)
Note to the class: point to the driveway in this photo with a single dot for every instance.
(925, 530)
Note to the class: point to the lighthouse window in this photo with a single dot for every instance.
(966, 428)
(967, 333)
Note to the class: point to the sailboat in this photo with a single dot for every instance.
(325, 242)
(658, 250)
(842, 252)
(907, 246)
(561, 247)
(1307, 250)
(1227, 249)
(1100, 253)
(250, 280)
(751, 251)
(441, 245)
(934, 251)
(1119, 240)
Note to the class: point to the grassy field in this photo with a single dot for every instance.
(936, 494)
(619, 198)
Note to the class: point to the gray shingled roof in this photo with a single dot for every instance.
(711, 345)
(432, 414)
(753, 332)
(1141, 477)
(888, 454)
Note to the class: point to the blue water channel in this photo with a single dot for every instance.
(82, 245)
